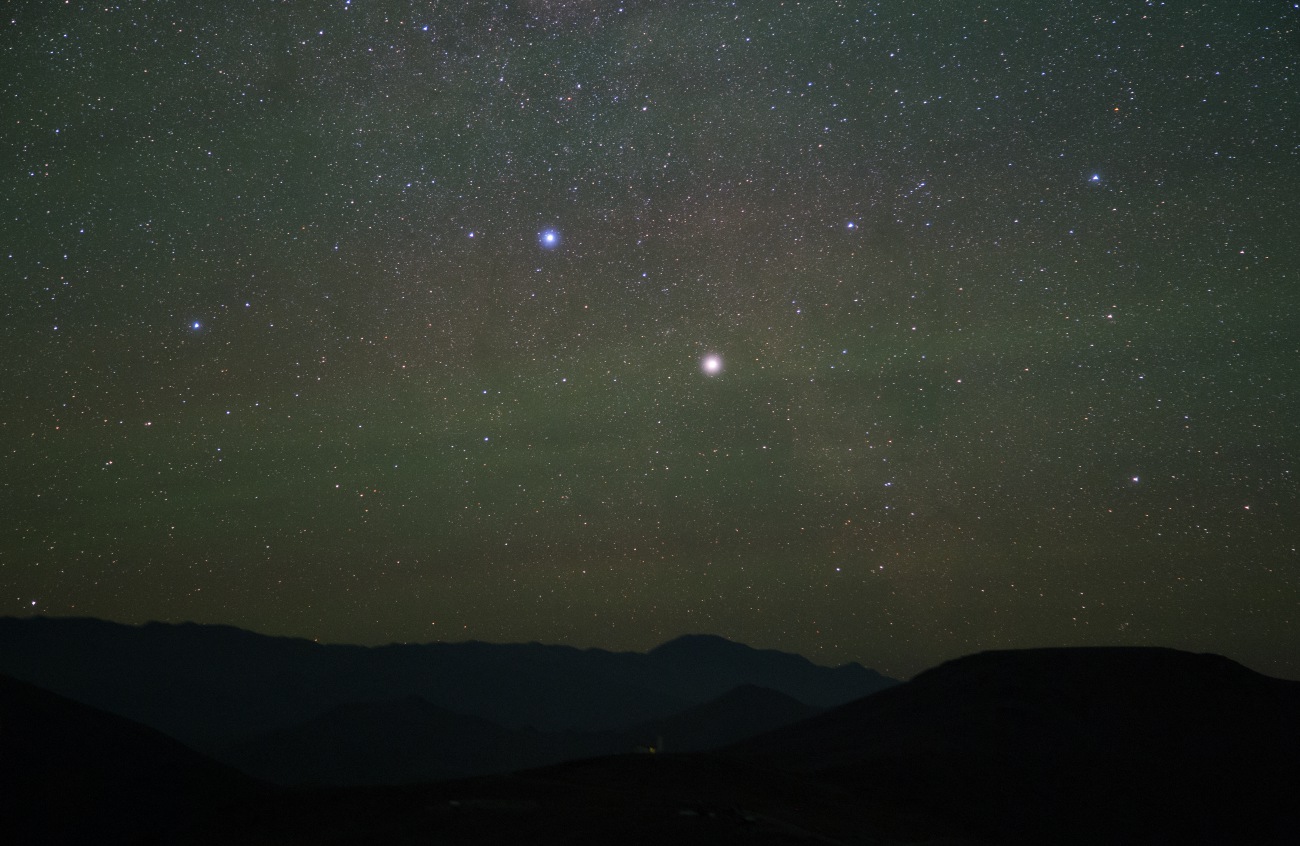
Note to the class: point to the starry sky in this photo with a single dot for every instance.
(873, 331)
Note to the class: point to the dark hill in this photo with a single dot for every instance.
(408, 741)
(213, 685)
(402, 741)
(73, 774)
(283, 706)
(716, 665)
(740, 713)
(1069, 746)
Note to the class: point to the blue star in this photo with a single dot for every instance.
(1096, 177)
(549, 239)
(196, 326)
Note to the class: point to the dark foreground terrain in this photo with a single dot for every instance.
(1066, 746)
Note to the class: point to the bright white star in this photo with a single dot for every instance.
(711, 364)
(549, 239)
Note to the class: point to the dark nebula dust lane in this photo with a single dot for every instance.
(846, 328)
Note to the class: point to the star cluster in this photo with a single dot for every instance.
(375, 321)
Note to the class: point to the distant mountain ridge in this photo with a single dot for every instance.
(409, 741)
(235, 695)
(716, 665)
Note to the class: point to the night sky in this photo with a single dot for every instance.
(874, 331)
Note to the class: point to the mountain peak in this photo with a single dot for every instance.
(696, 643)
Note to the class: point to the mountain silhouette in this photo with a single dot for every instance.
(740, 713)
(74, 774)
(409, 740)
(400, 741)
(240, 697)
(1068, 746)
(713, 665)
